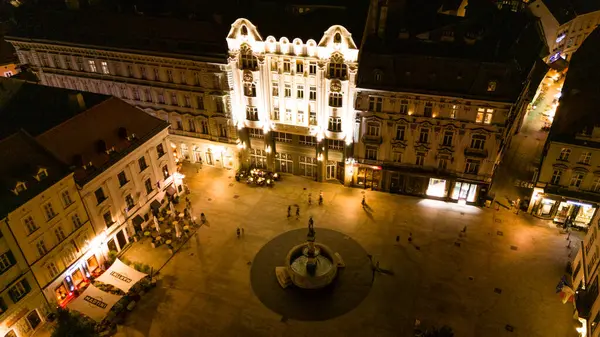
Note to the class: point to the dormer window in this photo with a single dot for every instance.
(20, 188)
(244, 31)
(491, 86)
(41, 174)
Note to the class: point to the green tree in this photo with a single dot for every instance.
(72, 324)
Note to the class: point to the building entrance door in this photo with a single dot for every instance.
(209, 157)
(330, 170)
(121, 239)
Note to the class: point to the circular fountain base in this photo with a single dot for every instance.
(298, 265)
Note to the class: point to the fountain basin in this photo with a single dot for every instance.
(326, 266)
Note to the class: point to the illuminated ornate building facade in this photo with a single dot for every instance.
(292, 100)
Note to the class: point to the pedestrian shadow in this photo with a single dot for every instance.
(369, 212)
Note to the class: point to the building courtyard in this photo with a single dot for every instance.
(498, 279)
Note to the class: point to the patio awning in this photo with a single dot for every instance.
(137, 220)
(121, 276)
(171, 190)
(94, 303)
(155, 204)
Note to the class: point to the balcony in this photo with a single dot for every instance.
(479, 153)
(370, 139)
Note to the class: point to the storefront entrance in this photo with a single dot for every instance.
(368, 177)
(464, 192)
(572, 213)
(121, 239)
(331, 167)
(437, 188)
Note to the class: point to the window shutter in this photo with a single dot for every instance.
(11, 257)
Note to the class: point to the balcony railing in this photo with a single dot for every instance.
(473, 152)
(370, 139)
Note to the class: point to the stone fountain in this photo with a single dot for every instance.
(309, 265)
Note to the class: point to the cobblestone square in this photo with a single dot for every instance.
(503, 271)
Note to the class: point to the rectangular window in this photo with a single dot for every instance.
(170, 75)
(200, 102)
(100, 197)
(472, 166)
(174, 100)
(147, 95)
(312, 119)
(7, 260)
(585, 158)
(576, 179)
(41, 247)
(335, 100)
(182, 77)
(165, 170)
(424, 136)
(312, 94)
(275, 114)
(375, 103)
(447, 141)
(428, 111)
(299, 67)
(142, 163)
(49, 211)
(420, 159)
(19, 290)
(76, 220)
(79, 62)
(300, 91)
(156, 74)
(489, 114)
(136, 94)
(60, 234)
(275, 89)
(107, 219)
(256, 133)
(400, 130)
(160, 150)
(223, 130)
(289, 116)
(66, 198)
(196, 79)
(179, 125)
(286, 66)
(105, 69)
(373, 129)
(595, 186)
(335, 124)
(443, 163)
(143, 72)
(335, 144)
(307, 140)
(92, 65)
(204, 126)
(161, 97)
(283, 137)
(371, 153)
(251, 113)
(129, 202)
(564, 154)
(478, 142)
(300, 117)
(148, 185)
(288, 91)
(480, 115)
(30, 225)
(191, 125)
(453, 112)
(312, 68)
(249, 89)
(274, 65)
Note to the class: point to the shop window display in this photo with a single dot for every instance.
(436, 188)
(61, 292)
(464, 191)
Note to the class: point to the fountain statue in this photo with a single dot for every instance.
(309, 265)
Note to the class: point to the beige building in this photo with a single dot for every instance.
(566, 24)
(173, 69)
(46, 235)
(431, 122)
(123, 165)
(292, 99)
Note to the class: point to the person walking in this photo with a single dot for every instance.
(363, 202)
(409, 237)
(238, 232)
(309, 199)
(297, 212)
(289, 211)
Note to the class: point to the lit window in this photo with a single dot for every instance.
(489, 113)
(576, 179)
(105, 68)
(491, 86)
(480, 115)
(249, 89)
(556, 177)
(453, 112)
(585, 157)
(92, 65)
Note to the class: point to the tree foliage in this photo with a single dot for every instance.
(72, 324)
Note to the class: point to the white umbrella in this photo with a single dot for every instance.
(156, 224)
(177, 230)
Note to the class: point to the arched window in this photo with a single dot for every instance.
(337, 38)
(337, 68)
(335, 99)
(247, 60)
(244, 31)
(250, 89)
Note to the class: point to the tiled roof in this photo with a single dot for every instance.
(84, 137)
(21, 157)
(38, 108)
(578, 107)
(162, 35)
(503, 48)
